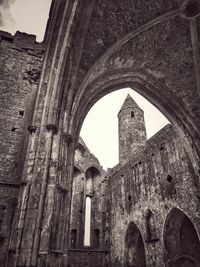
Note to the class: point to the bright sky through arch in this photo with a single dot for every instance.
(100, 127)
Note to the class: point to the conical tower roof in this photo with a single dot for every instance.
(129, 103)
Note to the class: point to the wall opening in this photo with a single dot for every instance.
(96, 240)
(134, 247)
(181, 241)
(87, 229)
(169, 178)
(73, 238)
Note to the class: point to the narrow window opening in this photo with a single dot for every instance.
(169, 178)
(87, 229)
(13, 129)
(73, 238)
(96, 238)
(129, 203)
(132, 114)
(21, 113)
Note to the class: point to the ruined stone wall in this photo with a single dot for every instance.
(144, 190)
(20, 65)
(97, 253)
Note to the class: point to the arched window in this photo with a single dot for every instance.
(91, 174)
(87, 230)
(132, 114)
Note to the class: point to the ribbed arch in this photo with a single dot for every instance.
(150, 88)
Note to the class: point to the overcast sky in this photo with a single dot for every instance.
(24, 15)
(100, 128)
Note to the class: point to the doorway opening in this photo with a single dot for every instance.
(181, 241)
(134, 247)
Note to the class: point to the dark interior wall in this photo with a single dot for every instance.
(146, 188)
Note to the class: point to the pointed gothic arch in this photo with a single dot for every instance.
(65, 66)
(181, 242)
(134, 247)
(147, 85)
(93, 170)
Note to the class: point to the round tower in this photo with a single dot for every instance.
(132, 131)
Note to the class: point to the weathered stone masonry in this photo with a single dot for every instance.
(132, 132)
(21, 60)
(91, 48)
(158, 177)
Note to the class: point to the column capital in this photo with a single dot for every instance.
(52, 127)
(32, 129)
(62, 189)
(67, 137)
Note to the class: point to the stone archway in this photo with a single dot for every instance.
(147, 45)
(181, 241)
(134, 247)
(149, 87)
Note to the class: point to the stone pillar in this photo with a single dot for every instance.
(47, 175)
(53, 248)
(33, 193)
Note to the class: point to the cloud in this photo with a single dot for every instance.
(6, 3)
(5, 14)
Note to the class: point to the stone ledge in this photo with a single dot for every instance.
(7, 184)
(88, 250)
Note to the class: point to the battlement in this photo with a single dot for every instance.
(22, 40)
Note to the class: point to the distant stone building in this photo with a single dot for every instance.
(144, 211)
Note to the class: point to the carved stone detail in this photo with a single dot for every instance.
(52, 127)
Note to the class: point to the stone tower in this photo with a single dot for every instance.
(132, 131)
